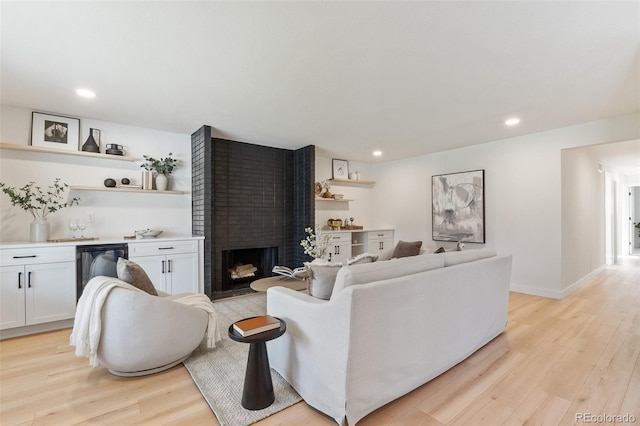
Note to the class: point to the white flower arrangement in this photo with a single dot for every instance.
(315, 245)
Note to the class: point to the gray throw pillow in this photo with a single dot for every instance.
(322, 279)
(132, 273)
(406, 249)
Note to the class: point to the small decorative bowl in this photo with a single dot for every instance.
(148, 233)
(338, 196)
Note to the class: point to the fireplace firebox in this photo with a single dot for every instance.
(243, 266)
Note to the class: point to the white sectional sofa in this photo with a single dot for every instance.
(389, 327)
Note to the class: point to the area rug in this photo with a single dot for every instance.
(219, 372)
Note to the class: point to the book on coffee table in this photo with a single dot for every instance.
(256, 325)
(299, 273)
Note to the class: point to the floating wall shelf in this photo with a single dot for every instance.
(351, 181)
(29, 148)
(333, 199)
(121, 189)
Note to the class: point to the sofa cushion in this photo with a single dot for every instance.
(406, 249)
(456, 257)
(378, 271)
(132, 273)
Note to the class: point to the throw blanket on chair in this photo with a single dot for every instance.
(87, 325)
(201, 301)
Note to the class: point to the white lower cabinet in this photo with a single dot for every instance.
(339, 249)
(344, 245)
(171, 266)
(379, 241)
(37, 286)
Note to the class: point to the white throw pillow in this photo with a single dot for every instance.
(378, 271)
(362, 258)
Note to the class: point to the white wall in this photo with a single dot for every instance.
(359, 209)
(117, 214)
(523, 196)
(583, 218)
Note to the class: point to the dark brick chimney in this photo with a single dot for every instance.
(249, 196)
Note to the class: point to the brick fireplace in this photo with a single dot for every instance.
(249, 200)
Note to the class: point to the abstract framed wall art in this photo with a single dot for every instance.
(55, 131)
(457, 207)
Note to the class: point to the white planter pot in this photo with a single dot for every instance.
(39, 230)
(162, 182)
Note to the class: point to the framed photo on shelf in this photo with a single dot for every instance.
(340, 169)
(55, 131)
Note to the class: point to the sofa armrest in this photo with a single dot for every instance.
(313, 354)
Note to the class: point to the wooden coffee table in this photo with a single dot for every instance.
(264, 283)
(257, 392)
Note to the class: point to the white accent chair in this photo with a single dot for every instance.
(144, 334)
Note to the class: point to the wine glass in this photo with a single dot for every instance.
(82, 225)
(73, 225)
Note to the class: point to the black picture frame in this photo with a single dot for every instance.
(340, 169)
(55, 131)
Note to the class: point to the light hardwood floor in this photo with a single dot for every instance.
(555, 360)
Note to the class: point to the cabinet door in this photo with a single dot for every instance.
(50, 292)
(339, 252)
(379, 245)
(12, 282)
(155, 267)
(182, 273)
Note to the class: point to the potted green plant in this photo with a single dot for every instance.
(39, 203)
(162, 167)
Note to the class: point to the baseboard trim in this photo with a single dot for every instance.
(556, 294)
(536, 291)
(33, 329)
(582, 281)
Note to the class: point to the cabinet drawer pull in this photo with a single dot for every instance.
(165, 248)
(29, 279)
(380, 235)
(19, 279)
(169, 266)
(163, 266)
(24, 257)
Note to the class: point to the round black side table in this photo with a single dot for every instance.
(258, 387)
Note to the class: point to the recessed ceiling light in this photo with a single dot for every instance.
(377, 153)
(86, 93)
(512, 121)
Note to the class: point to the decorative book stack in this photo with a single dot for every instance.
(256, 325)
(147, 179)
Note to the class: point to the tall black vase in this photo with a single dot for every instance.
(90, 145)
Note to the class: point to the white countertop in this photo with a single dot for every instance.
(112, 240)
(355, 230)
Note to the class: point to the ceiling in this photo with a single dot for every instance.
(407, 78)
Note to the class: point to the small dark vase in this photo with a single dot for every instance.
(110, 183)
(90, 145)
